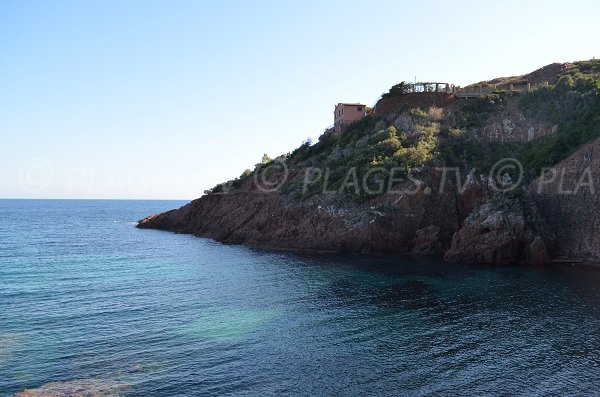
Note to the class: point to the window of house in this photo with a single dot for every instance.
(359, 108)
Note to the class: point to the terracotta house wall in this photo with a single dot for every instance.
(346, 113)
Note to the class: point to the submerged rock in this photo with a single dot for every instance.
(229, 324)
(76, 388)
(8, 343)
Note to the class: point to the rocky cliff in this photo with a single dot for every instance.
(389, 223)
(429, 180)
(567, 196)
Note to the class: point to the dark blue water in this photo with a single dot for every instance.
(88, 301)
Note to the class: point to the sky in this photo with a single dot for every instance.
(165, 99)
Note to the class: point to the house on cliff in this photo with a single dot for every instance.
(346, 113)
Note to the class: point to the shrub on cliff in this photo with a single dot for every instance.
(474, 112)
(391, 144)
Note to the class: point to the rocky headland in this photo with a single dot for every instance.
(509, 177)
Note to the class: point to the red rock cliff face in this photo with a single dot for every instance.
(389, 223)
(423, 100)
(501, 233)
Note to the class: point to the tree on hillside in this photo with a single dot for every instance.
(265, 159)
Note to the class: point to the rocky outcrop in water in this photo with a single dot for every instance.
(393, 223)
(502, 231)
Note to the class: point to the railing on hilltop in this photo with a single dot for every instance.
(472, 91)
(479, 90)
(433, 87)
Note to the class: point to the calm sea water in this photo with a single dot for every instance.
(88, 300)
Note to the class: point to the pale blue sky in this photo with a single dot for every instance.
(163, 99)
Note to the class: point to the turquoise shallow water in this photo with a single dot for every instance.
(87, 299)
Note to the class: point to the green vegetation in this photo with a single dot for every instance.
(574, 106)
(472, 113)
(398, 89)
(366, 144)
(464, 151)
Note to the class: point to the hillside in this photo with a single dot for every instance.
(425, 173)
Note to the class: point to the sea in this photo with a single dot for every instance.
(92, 306)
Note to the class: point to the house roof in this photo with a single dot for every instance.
(349, 104)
